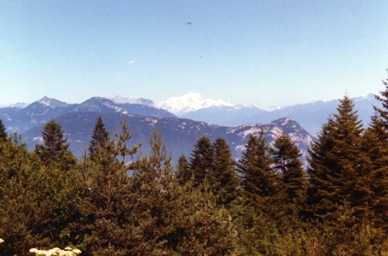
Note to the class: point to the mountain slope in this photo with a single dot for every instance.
(179, 134)
(41, 111)
(226, 115)
(311, 115)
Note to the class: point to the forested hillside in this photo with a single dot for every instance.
(112, 203)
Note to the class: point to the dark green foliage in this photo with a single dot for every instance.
(223, 178)
(202, 160)
(100, 136)
(171, 219)
(336, 176)
(56, 193)
(376, 169)
(383, 112)
(121, 143)
(112, 204)
(375, 144)
(104, 200)
(55, 151)
(343, 237)
(348, 188)
(17, 202)
(202, 227)
(3, 133)
(150, 214)
(36, 203)
(293, 186)
(259, 181)
(174, 219)
(183, 171)
(259, 234)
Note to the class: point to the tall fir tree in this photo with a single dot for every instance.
(223, 179)
(336, 176)
(104, 201)
(55, 149)
(122, 143)
(375, 142)
(183, 171)
(3, 133)
(259, 181)
(286, 156)
(383, 111)
(376, 168)
(100, 136)
(380, 188)
(202, 159)
(149, 184)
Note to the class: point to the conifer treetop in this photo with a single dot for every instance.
(3, 133)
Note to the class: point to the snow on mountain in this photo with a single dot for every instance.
(18, 105)
(238, 136)
(99, 104)
(51, 103)
(190, 102)
(124, 100)
(310, 115)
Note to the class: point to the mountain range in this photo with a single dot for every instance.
(179, 134)
(310, 115)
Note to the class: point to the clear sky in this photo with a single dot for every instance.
(255, 52)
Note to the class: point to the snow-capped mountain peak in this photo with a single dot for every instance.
(190, 102)
(51, 103)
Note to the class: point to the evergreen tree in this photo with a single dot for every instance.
(3, 133)
(183, 172)
(223, 179)
(146, 192)
(36, 204)
(259, 181)
(202, 160)
(380, 170)
(168, 218)
(99, 138)
(122, 143)
(203, 227)
(55, 195)
(104, 201)
(375, 144)
(383, 112)
(17, 203)
(336, 176)
(286, 162)
(376, 169)
(55, 151)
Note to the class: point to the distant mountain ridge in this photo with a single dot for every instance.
(218, 112)
(191, 106)
(179, 134)
(41, 111)
(310, 115)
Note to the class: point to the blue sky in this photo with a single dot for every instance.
(254, 52)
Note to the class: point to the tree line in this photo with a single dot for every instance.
(111, 202)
